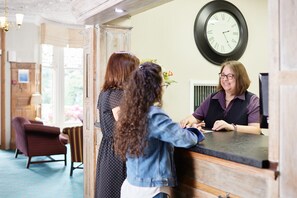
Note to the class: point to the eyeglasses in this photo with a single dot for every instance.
(228, 76)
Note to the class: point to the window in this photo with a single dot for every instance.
(62, 85)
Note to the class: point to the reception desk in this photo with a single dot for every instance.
(226, 164)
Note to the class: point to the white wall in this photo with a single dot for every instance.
(166, 34)
(25, 42)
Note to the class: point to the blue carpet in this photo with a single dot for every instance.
(46, 180)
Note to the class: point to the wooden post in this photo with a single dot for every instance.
(3, 109)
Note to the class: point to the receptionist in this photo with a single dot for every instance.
(232, 107)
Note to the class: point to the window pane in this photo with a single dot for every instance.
(73, 57)
(62, 85)
(73, 85)
(47, 95)
(47, 55)
(47, 83)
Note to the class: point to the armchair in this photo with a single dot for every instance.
(75, 139)
(35, 139)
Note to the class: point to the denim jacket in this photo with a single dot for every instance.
(155, 168)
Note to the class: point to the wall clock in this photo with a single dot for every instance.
(220, 32)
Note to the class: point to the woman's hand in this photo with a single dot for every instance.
(221, 124)
(199, 126)
(188, 121)
(115, 113)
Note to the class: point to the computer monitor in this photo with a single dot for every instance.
(263, 95)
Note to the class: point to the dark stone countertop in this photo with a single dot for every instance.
(243, 148)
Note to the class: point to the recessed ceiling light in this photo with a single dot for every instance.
(117, 10)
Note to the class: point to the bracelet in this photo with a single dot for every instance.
(235, 127)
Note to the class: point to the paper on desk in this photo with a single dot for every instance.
(206, 130)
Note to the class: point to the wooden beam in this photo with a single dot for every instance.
(91, 13)
(3, 109)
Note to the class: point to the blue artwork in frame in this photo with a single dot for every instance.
(23, 76)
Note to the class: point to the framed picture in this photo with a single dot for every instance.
(23, 76)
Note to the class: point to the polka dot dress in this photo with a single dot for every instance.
(111, 171)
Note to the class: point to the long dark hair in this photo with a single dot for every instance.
(144, 89)
(119, 67)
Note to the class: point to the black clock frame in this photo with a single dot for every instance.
(200, 31)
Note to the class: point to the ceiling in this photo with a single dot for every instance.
(75, 12)
(36, 10)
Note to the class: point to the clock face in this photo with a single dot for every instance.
(222, 32)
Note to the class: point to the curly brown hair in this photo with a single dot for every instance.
(143, 90)
(242, 79)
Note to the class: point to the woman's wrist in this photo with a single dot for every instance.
(234, 127)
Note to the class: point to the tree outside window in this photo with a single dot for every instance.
(62, 85)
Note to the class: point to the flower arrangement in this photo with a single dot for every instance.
(166, 74)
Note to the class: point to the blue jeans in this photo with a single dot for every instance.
(161, 195)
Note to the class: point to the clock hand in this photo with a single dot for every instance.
(226, 37)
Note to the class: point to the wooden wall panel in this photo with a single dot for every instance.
(288, 140)
(273, 81)
(21, 94)
(89, 111)
(283, 93)
(288, 30)
(206, 176)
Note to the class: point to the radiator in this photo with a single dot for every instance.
(199, 90)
